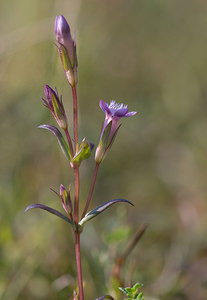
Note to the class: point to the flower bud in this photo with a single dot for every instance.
(55, 105)
(67, 49)
(65, 199)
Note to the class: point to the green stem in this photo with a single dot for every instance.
(91, 191)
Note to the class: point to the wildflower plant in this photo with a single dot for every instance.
(74, 151)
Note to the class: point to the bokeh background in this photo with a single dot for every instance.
(151, 55)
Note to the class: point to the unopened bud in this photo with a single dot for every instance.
(55, 105)
(65, 199)
(67, 49)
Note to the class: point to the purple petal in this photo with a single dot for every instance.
(104, 106)
(121, 112)
(131, 113)
(61, 26)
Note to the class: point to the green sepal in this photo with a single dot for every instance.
(65, 58)
(56, 108)
(99, 209)
(83, 152)
(102, 146)
(61, 141)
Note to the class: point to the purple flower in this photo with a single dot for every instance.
(66, 48)
(55, 105)
(114, 112)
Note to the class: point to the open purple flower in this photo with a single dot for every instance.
(55, 105)
(114, 112)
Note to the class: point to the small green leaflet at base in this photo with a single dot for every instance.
(99, 209)
(61, 141)
(50, 210)
(132, 293)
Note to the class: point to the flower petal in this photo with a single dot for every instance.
(121, 112)
(104, 106)
(131, 113)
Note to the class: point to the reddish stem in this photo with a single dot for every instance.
(69, 142)
(75, 115)
(91, 191)
(76, 197)
(78, 263)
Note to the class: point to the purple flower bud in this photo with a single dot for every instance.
(65, 199)
(114, 112)
(55, 105)
(66, 48)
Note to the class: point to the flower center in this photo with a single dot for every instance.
(113, 106)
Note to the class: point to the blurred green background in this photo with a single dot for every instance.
(151, 55)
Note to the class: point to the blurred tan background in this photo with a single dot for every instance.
(151, 55)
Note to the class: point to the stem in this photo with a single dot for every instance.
(78, 263)
(69, 142)
(76, 196)
(91, 191)
(75, 115)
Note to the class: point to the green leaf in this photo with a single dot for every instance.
(123, 290)
(99, 209)
(50, 210)
(129, 290)
(137, 286)
(63, 145)
(140, 296)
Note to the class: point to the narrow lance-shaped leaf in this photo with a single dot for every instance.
(63, 145)
(99, 209)
(105, 297)
(50, 210)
